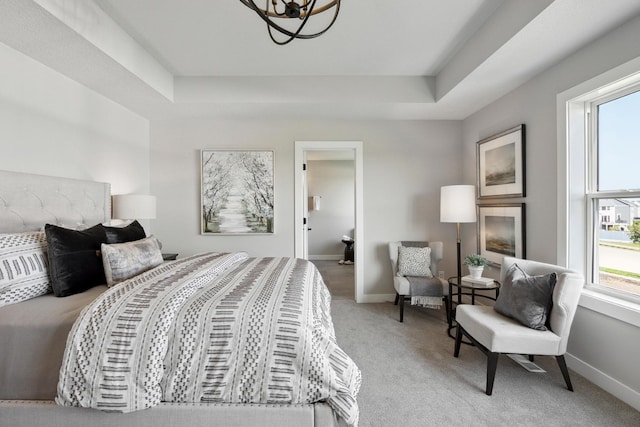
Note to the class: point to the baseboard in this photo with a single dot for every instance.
(621, 391)
(325, 257)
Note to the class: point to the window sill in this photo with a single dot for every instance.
(619, 309)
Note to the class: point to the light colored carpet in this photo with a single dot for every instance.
(410, 377)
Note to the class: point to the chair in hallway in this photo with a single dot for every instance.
(432, 290)
(522, 296)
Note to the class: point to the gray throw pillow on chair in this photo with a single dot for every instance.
(527, 299)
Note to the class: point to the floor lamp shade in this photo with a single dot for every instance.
(458, 203)
(134, 206)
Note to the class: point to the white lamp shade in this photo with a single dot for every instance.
(458, 203)
(134, 206)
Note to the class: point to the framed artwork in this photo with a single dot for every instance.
(236, 192)
(501, 164)
(501, 231)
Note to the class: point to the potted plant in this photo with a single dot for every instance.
(475, 263)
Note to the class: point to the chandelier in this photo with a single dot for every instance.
(290, 17)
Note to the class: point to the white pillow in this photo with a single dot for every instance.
(414, 261)
(124, 260)
(24, 267)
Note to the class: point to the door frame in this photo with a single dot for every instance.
(300, 155)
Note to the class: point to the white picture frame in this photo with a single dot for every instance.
(236, 192)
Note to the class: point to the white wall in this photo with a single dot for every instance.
(51, 125)
(600, 346)
(405, 164)
(334, 182)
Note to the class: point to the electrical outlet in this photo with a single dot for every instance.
(441, 274)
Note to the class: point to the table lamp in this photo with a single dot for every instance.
(133, 206)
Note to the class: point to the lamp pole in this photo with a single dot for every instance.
(458, 253)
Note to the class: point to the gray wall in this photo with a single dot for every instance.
(334, 182)
(405, 164)
(51, 125)
(601, 346)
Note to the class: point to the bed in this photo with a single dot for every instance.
(45, 354)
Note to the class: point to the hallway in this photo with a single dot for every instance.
(339, 278)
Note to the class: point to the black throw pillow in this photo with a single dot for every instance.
(75, 262)
(129, 233)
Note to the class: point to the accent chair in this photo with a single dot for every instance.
(401, 283)
(495, 334)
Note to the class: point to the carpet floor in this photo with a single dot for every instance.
(410, 377)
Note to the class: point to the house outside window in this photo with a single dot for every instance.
(613, 192)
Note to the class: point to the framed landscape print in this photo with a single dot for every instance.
(501, 164)
(236, 192)
(501, 231)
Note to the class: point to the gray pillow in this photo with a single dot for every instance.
(124, 260)
(527, 299)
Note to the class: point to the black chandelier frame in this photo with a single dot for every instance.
(292, 9)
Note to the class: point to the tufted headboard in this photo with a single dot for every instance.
(29, 201)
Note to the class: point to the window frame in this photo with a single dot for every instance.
(572, 106)
(593, 195)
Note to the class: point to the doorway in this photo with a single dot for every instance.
(303, 151)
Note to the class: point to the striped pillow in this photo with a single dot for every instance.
(24, 272)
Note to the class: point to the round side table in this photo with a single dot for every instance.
(466, 288)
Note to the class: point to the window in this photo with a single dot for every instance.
(613, 192)
(579, 195)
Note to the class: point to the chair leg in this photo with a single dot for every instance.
(565, 372)
(396, 301)
(456, 350)
(401, 300)
(492, 364)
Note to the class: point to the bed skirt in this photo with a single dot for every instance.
(34, 413)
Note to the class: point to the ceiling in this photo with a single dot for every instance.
(225, 38)
(429, 59)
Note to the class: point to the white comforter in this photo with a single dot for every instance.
(210, 328)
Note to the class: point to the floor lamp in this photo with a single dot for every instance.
(458, 204)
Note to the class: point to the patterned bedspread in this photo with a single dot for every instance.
(210, 328)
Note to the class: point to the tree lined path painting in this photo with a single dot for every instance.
(237, 192)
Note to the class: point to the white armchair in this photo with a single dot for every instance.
(494, 333)
(401, 284)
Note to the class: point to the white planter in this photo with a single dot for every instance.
(475, 271)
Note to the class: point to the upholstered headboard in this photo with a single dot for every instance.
(29, 201)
